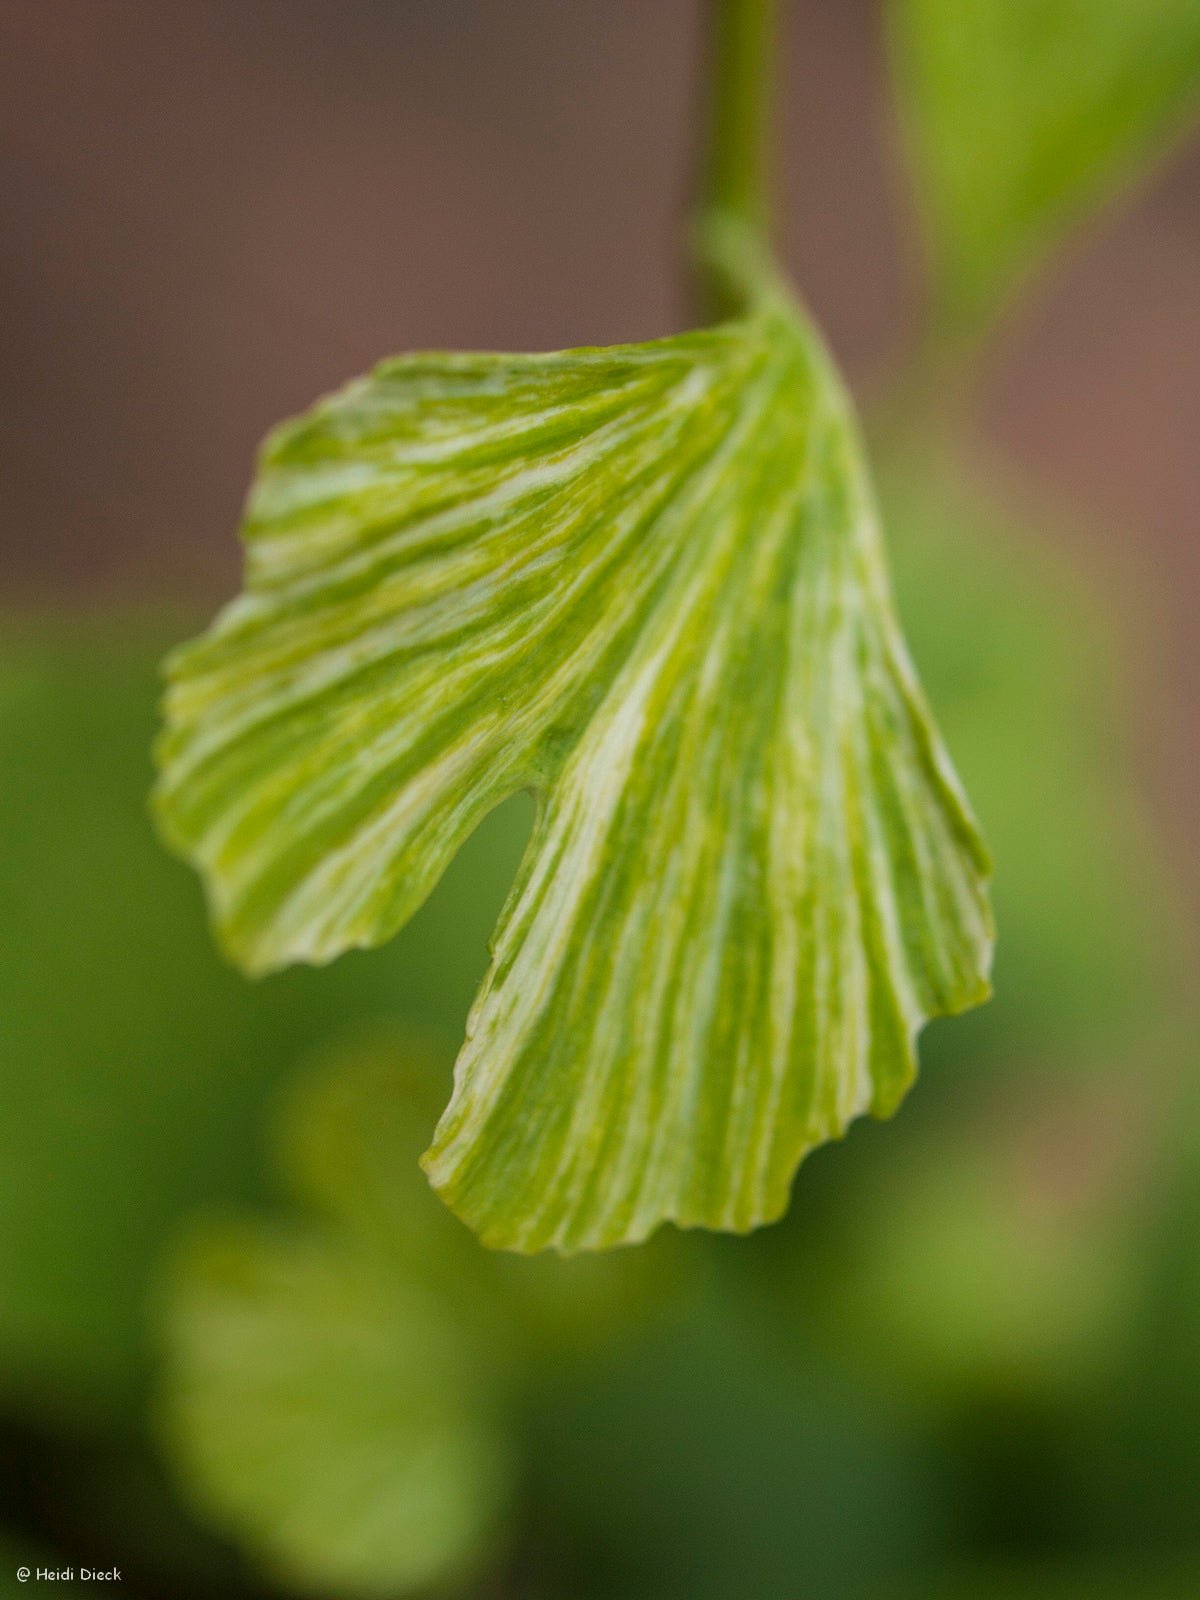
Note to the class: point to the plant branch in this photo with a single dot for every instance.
(732, 226)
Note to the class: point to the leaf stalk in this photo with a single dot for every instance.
(731, 231)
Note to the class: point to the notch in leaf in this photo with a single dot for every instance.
(645, 583)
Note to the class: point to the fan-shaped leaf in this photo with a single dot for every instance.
(339, 1389)
(330, 1413)
(647, 584)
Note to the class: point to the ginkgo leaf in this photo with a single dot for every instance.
(1025, 115)
(647, 584)
(342, 1386)
(325, 1400)
(330, 1413)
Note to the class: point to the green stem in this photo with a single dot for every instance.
(732, 229)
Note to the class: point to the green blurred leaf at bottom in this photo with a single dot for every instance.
(339, 1391)
(330, 1413)
(327, 1400)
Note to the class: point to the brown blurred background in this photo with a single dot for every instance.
(213, 210)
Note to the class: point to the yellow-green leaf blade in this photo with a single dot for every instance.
(752, 883)
(438, 561)
(646, 583)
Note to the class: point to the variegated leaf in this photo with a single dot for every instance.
(645, 583)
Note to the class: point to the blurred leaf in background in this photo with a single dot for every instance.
(340, 1391)
(1024, 115)
(134, 1064)
(331, 1412)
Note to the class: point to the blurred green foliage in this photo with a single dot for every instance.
(353, 1392)
(1151, 1579)
(1021, 658)
(973, 1339)
(330, 1412)
(134, 1062)
(966, 1365)
(17, 1551)
(344, 1386)
(906, 1366)
(1023, 115)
